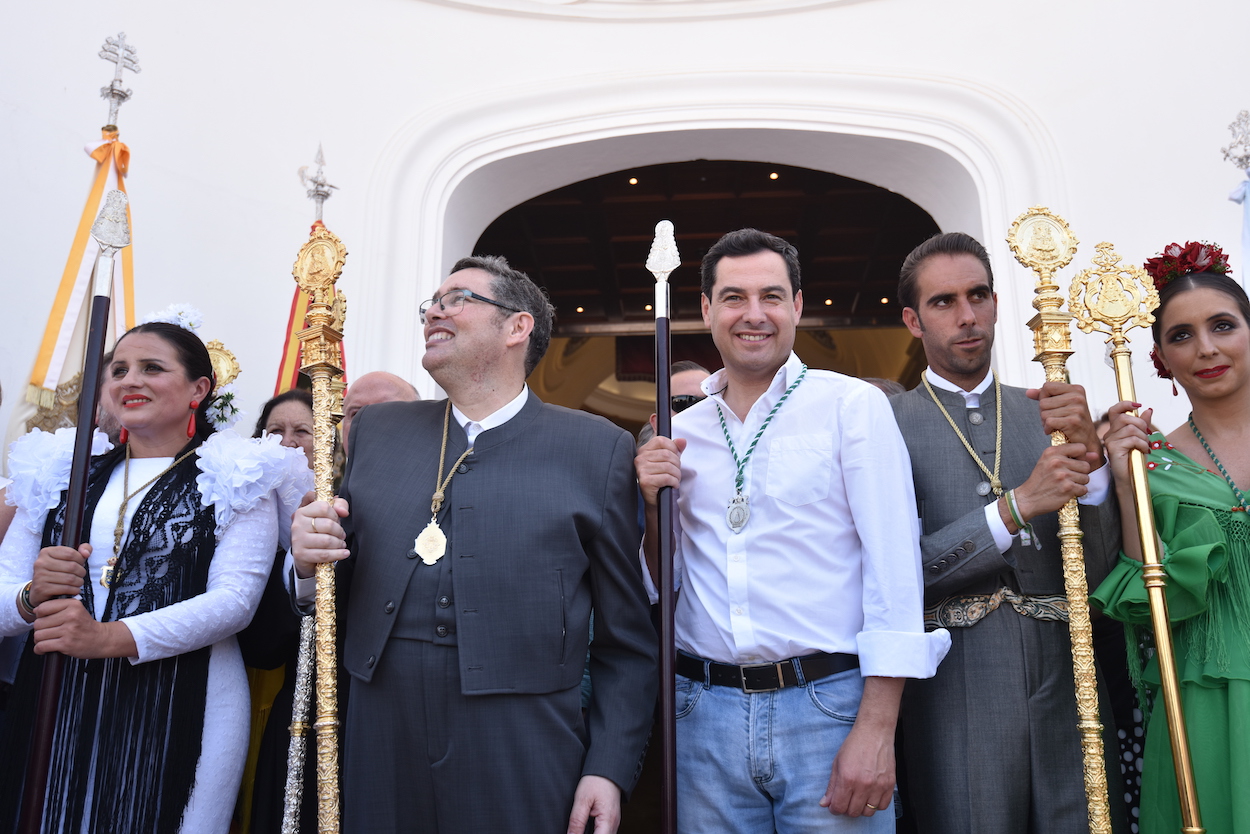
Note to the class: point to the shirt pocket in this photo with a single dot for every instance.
(799, 468)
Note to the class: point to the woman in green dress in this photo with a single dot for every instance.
(1196, 474)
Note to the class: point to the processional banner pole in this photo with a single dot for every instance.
(318, 266)
(1111, 298)
(662, 261)
(1042, 242)
(112, 232)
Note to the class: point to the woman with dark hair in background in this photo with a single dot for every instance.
(289, 417)
(1197, 474)
(180, 526)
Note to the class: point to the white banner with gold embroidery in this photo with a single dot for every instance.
(54, 380)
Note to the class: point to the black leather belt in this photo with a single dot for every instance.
(765, 677)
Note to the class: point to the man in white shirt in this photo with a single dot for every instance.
(990, 743)
(465, 708)
(799, 614)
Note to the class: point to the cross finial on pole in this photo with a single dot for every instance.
(318, 188)
(126, 58)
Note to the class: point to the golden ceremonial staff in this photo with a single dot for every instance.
(318, 266)
(1042, 242)
(1111, 299)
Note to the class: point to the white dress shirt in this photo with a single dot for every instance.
(493, 420)
(1099, 480)
(830, 558)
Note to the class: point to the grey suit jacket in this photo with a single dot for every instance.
(542, 525)
(957, 548)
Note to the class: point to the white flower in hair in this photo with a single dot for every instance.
(222, 412)
(182, 315)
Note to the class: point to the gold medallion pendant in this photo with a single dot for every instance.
(431, 544)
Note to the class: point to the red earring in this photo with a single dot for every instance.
(191, 422)
(1162, 369)
(124, 436)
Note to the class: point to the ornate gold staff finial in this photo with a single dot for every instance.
(1112, 298)
(1042, 241)
(318, 266)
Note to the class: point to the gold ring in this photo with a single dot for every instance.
(313, 522)
(870, 806)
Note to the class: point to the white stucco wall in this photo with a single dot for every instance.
(435, 118)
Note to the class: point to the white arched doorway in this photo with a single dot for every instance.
(969, 155)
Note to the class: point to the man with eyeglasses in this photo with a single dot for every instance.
(800, 607)
(482, 529)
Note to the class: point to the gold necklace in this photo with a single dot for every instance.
(995, 484)
(432, 543)
(106, 575)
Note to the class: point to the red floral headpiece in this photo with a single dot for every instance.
(1193, 257)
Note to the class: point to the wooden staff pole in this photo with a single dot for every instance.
(318, 266)
(662, 261)
(1112, 299)
(1042, 242)
(112, 231)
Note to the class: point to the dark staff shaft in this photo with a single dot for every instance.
(668, 686)
(40, 758)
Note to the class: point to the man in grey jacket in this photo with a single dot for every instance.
(991, 742)
(478, 533)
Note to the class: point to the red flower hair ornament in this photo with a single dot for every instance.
(1176, 261)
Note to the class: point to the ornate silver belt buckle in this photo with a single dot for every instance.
(742, 672)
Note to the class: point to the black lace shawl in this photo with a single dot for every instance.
(127, 736)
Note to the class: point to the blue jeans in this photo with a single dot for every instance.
(758, 763)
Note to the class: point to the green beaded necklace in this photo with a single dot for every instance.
(739, 510)
(1241, 497)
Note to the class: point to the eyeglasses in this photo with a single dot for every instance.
(451, 303)
(681, 402)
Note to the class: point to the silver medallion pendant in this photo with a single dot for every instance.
(983, 488)
(431, 544)
(739, 512)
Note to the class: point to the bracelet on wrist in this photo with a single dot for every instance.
(1027, 535)
(24, 604)
(1013, 510)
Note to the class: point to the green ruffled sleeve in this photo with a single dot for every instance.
(1194, 556)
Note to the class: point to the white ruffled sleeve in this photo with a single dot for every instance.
(17, 561)
(236, 473)
(40, 463)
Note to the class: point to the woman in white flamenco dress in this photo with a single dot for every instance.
(181, 526)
